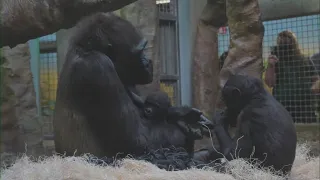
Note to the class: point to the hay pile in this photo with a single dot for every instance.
(77, 168)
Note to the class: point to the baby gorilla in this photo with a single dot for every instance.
(158, 108)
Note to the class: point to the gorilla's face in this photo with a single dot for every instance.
(123, 44)
(232, 97)
(132, 65)
(239, 90)
(142, 66)
(155, 111)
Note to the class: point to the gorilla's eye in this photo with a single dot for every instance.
(148, 110)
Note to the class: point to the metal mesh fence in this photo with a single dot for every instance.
(293, 41)
(48, 80)
(168, 47)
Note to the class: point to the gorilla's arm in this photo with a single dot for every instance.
(135, 98)
(25, 20)
(238, 147)
(190, 120)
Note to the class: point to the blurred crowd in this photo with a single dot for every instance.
(293, 78)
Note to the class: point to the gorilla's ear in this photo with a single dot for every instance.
(236, 92)
(232, 92)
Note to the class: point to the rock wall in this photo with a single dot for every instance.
(20, 126)
(205, 72)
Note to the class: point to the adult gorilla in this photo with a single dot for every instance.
(95, 112)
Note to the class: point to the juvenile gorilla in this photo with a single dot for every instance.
(265, 129)
(95, 109)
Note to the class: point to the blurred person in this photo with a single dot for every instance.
(316, 79)
(290, 74)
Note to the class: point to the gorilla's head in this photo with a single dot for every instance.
(156, 105)
(121, 42)
(239, 90)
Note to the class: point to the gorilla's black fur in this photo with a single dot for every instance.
(265, 129)
(156, 106)
(95, 109)
(170, 158)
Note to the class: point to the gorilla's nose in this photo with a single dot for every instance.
(145, 62)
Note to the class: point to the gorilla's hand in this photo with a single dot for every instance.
(193, 131)
(219, 118)
(206, 122)
(191, 121)
(184, 113)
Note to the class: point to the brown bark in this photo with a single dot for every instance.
(246, 36)
(205, 63)
(25, 20)
(143, 15)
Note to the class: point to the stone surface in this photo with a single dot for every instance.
(21, 130)
(246, 36)
(205, 69)
(25, 20)
(205, 80)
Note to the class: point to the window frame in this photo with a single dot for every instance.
(169, 78)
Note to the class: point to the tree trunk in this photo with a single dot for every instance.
(25, 20)
(246, 36)
(143, 15)
(205, 63)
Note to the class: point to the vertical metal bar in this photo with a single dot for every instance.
(178, 61)
(185, 50)
(35, 69)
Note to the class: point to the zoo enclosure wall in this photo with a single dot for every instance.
(307, 29)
